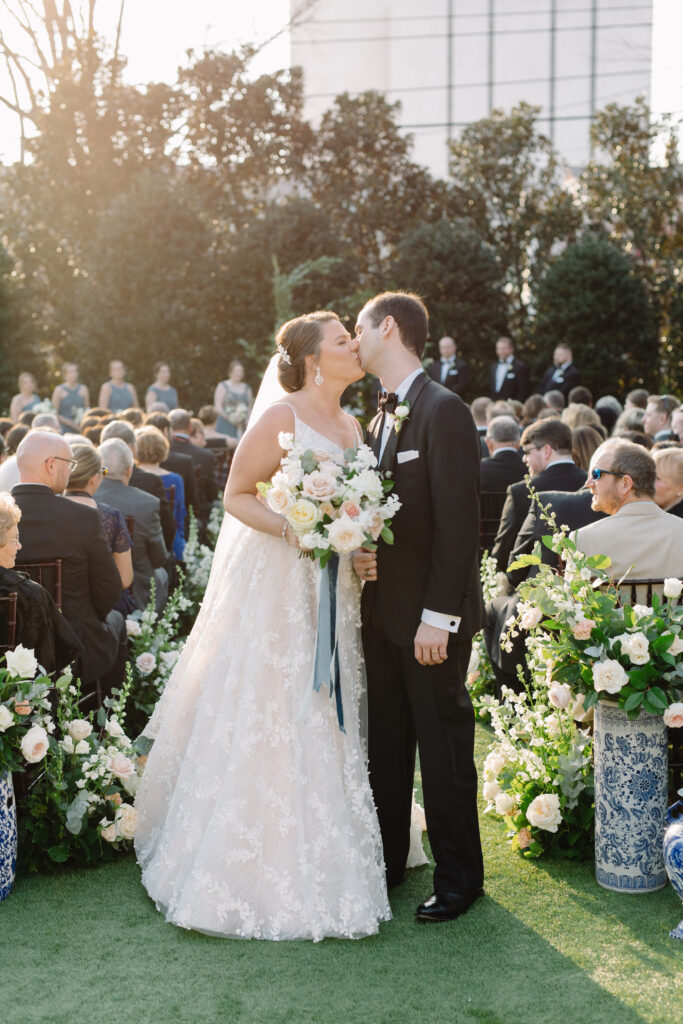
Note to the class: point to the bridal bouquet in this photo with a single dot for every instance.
(333, 506)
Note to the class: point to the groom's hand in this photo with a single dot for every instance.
(365, 564)
(431, 644)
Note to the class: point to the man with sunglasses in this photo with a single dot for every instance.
(642, 541)
(53, 527)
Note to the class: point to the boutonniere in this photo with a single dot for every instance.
(401, 414)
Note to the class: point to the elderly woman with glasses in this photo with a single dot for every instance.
(86, 476)
(40, 627)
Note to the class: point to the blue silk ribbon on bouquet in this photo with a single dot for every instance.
(326, 666)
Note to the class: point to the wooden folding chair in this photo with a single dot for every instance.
(48, 574)
(491, 506)
(8, 614)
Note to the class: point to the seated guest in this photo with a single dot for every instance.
(562, 375)
(657, 419)
(161, 390)
(84, 481)
(178, 462)
(149, 550)
(448, 369)
(547, 448)
(9, 471)
(585, 440)
(479, 409)
(116, 394)
(636, 399)
(554, 399)
(6, 425)
(203, 461)
(642, 540)
(669, 481)
(677, 422)
(54, 527)
(532, 408)
(40, 627)
(580, 396)
(134, 417)
(630, 420)
(147, 482)
(26, 398)
(504, 465)
(221, 446)
(152, 450)
(577, 415)
(70, 398)
(609, 409)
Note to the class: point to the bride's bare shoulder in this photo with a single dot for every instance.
(277, 417)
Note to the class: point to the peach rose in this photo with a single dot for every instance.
(126, 821)
(34, 744)
(108, 833)
(319, 486)
(350, 509)
(583, 629)
(22, 707)
(142, 761)
(115, 799)
(673, 716)
(121, 766)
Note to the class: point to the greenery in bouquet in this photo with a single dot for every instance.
(25, 716)
(333, 505)
(591, 643)
(80, 808)
(154, 646)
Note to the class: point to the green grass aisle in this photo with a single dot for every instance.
(545, 945)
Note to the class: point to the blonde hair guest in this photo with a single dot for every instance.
(669, 481)
(10, 514)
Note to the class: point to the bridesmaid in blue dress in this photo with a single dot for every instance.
(26, 399)
(161, 390)
(116, 394)
(70, 399)
(234, 399)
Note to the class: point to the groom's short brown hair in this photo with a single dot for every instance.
(410, 314)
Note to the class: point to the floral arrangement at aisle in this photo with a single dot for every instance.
(25, 717)
(80, 807)
(332, 506)
(480, 678)
(197, 562)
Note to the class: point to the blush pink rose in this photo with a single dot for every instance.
(121, 766)
(583, 629)
(351, 509)
(673, 716)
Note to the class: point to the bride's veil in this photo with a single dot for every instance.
(270, 392)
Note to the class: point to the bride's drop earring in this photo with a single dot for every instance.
(318, 377)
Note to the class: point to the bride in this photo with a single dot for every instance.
(256, 818)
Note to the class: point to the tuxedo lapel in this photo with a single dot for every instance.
(375, 433)
(414, 392)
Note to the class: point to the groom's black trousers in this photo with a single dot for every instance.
(411, 704)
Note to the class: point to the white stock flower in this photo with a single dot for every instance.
(126, 821)
(365, 457)
(345, 535)
(504, 804)
(673, 587)
(79, 729)
(34, 744)
(145, 663)
(133, 627)
(673, 716)
(367, 484)
(6, 718)
(609, 676)
(285, 440)
(491, 791)
(113, 727)
(493, 765)
(544, 812)
(21, 662)
(636, 647)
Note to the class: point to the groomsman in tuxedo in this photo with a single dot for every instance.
(562, 375)
(449, 370)
(421, 605)
(509, 377)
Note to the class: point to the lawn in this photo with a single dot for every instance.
(546, 944)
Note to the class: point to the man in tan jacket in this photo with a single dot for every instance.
(642, 541)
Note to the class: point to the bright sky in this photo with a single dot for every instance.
(157, 33)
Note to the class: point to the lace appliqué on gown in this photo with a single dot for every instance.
(256, 817)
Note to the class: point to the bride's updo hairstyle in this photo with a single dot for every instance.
(295, 340)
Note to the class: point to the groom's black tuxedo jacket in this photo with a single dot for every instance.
(433, 562)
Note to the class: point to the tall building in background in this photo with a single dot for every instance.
(451, 62)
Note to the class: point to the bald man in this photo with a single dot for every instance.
(55, 527)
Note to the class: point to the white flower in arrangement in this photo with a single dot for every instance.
(21, 663)
(279, 499)
(133, 627)
(491, 791)
(6, 718)
(544, 812)
(673, 587)
(583, 628)
(312, 540)
(505, 803)
(366, 485)
(560, 695)
(285, 440)
(145, 663)
(169, 658)
(673, 716)
(114, 727)
(635, 646)
(131, 784)
(126, 821)
(531, 615)
(365, 458)
(69, 747)
(34, 744)
(345, 535)
(319, 486)
(330, 467)
(108, 830)
(609, 676)
(302, 516)
(372, 521)
(641, 610)
(494, 764)
(401, 411)
(677, 645)
(121, 766)
(79, 729)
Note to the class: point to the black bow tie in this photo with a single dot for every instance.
(387, 402)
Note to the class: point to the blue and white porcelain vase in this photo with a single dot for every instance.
(673, 853)
(8, 835)
(631, 768)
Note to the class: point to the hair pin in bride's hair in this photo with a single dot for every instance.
(286, 358)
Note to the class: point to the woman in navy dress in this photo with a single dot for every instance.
(70, 399)
(161, 390)
(116, 394)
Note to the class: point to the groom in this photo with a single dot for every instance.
(421, 605)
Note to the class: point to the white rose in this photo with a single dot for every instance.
(544, 812)
(319, 486)
(366, 484)
(636, 647)
(345, 535)
(34, 744)
(67, 745)
(504, 804)
(113, 727)
(677, 645)
(79, 729)
(491, 791)
(82, 747)
(21, 663)
(641, 610)
(579, 713)
(673, 587)
(121, 766)
(133, 627)
(401, 412)
(279, 500)
(6, 718)
(609, 676)
(285, 440)
(531, 617)
(494, 764)
(145, 663)
(673, 716)
(560, 695)
(126, 821)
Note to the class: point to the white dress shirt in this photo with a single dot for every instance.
(438, 619)
(446, 366)
(502, 371)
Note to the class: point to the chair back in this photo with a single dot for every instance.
(639, 591)
(491, 506)
(8, 615)
(130, 523)
(48, 574)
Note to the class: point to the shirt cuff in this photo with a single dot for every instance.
(441, 621)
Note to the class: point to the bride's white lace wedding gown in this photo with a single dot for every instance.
(256, 817)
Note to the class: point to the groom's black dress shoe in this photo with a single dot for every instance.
(446, 906)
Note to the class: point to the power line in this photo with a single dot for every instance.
(466, 35)
(443, 17)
